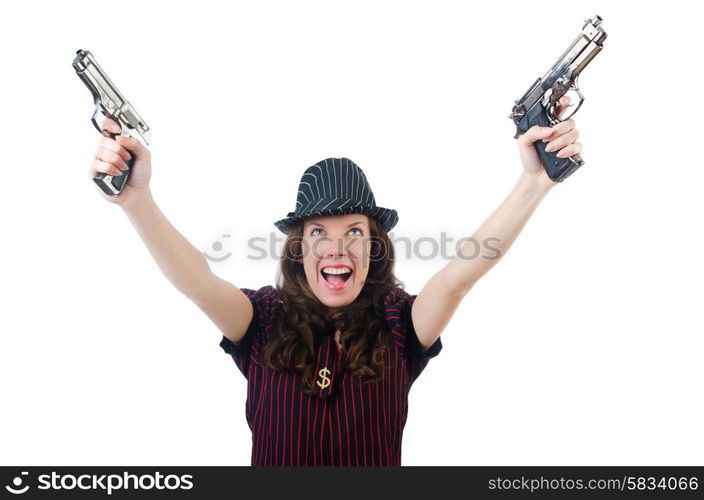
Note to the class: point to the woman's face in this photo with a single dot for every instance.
(336, 257)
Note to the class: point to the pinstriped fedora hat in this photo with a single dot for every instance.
(336, 186)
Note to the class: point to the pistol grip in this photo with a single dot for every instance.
(558, 169)
(113, 185)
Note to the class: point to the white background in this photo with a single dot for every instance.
(582, 346)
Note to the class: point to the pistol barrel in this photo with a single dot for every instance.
(540, 105)
(108, 100)
(563, 74)
(582, 50)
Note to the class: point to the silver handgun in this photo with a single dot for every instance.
(541, 104)
(110, 102)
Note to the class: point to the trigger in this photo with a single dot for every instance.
(97, 118)
(574, 87)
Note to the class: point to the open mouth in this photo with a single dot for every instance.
(336, 277)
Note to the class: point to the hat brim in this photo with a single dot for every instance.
(387, 217)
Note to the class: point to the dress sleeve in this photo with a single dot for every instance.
(397, 308)
(246, 352)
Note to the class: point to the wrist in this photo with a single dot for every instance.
(540, 183)
(137, 201)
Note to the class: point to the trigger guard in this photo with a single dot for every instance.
(552, 117)
(97, 115)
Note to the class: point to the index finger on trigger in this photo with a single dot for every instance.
(111, 125)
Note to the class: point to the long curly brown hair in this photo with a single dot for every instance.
(303, 320)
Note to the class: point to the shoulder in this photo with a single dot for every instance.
(398, 298)
(266, 293)
(397, 309)
(264, 300)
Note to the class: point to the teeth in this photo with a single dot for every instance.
(337, 270)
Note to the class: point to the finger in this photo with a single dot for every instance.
(112, 145)
(571, 150)
(111, 125)
(562, 141)
(110, 157)
(560, 128)
(535, 133)
(132, 144)
(563, 106)
(106, 168)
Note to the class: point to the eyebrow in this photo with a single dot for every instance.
(321, 225)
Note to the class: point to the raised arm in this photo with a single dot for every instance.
(186, 268)
(439, 298)
(182, 264)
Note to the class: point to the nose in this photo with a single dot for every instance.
(332, 248)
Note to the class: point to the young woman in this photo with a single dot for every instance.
(331, 352)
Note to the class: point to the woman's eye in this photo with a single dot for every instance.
(314, 233)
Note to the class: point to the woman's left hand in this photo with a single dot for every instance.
(561, 137)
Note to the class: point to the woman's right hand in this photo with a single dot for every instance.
(109, 157)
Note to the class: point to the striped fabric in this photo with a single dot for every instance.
(336, 186)
(345, 422)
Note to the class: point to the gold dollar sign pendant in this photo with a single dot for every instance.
(323, 374)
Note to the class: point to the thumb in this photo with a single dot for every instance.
(131, 144)
(533, 134)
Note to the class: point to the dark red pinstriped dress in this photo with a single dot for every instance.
(345, 422)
